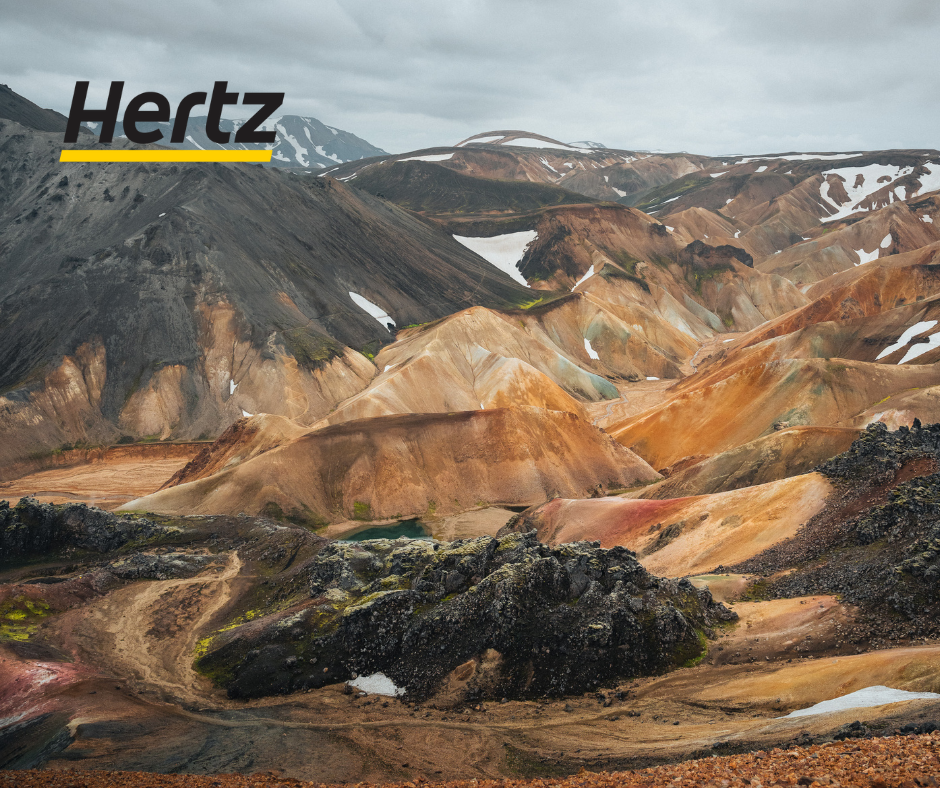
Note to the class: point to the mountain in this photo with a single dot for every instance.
(415, 463)
(302, 142)
(17, 108)
(495, 421)
(163, 301)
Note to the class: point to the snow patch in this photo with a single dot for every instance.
(246, 414)
(717, 174)
(671, 229)
(862, 699)
(481, 140)
(325, 155)
(886, 241)
(377, 684)
(737, 234)
(907, 336)
(606, 180)
(590, 272)
(545, 162)
(927, 219)
(161, 215)
(529, 142)
(933, 341)
(800, 157)
(762, 168)
(300, 152)
(189, 139)
(860, 183)
(430, 157)
(590, 351)
(865, 257)
(503, 251)
(620, 193)
(232, 385)
(373, 309)
(651, 378)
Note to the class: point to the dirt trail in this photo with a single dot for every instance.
(153, 638)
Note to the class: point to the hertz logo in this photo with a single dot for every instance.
(136, 113)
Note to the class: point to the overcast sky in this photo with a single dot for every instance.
(707, 76)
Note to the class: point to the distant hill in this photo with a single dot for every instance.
(301, 141)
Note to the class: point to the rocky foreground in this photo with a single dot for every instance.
(874, 763)
(482, 618)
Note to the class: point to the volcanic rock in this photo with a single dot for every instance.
(533, 620)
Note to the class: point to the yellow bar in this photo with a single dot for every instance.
(165, 156)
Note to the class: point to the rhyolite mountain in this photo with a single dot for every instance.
(168, 300)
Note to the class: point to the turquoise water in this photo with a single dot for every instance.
(413, 529)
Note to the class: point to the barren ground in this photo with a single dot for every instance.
(106, 484)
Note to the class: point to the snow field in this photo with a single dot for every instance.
(590, 272)
(503, 251)
(430, 157)
(377, 684)
(590, 350)
(860, 183)
(862, 699)
(907, 336)
(374, 310)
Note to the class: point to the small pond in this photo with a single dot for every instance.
(412, 529)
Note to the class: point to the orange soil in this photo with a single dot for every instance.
(106, 484)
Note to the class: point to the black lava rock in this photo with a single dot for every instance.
(519, 618)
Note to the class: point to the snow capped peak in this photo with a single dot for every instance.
(301, 141)
(520, 139)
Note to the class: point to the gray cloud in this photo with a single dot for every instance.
(697, 75)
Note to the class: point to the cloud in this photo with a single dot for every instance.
(697, 75)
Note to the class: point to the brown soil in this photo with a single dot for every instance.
(129, 698)
(107, 483)
(880, 763)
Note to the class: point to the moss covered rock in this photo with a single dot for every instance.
(544, 620)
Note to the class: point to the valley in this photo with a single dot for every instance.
(662, 431)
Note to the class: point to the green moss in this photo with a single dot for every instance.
(532, 303)
(311, 349)
(304, 516)
(758, 591)
(361, 511)
(702, 648)
(674, 189)
(20, 617)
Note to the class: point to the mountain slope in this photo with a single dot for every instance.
(164, 301)
(23, 111)
(409, 465)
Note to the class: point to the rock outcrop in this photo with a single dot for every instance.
(30, 529)
(485, 618)
(877, 544)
